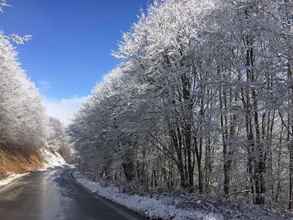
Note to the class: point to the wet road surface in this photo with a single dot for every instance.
(53, 195)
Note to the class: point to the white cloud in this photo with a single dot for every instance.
(63, 109)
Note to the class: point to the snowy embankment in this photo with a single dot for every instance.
(51, 159)
(181, 207)
(149, 207)
(11, 178)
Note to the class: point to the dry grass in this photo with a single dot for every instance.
(18, 161)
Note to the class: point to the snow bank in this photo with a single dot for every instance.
(11, 178)
(52, 159)
(149, 207)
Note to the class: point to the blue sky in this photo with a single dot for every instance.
(71, 45)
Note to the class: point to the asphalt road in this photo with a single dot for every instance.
(54, 195)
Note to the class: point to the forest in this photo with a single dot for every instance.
(201, 102)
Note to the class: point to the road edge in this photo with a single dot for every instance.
(112, 204)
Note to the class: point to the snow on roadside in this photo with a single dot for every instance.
(149, 207)
(11, 178)
(52, 159)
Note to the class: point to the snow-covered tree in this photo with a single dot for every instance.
(22, 117)
(201, 101)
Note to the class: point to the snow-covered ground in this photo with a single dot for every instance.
(149, 207)
(51, 159)
(180, 207)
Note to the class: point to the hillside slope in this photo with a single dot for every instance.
(18, 160)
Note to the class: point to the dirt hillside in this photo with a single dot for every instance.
(18, 161)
